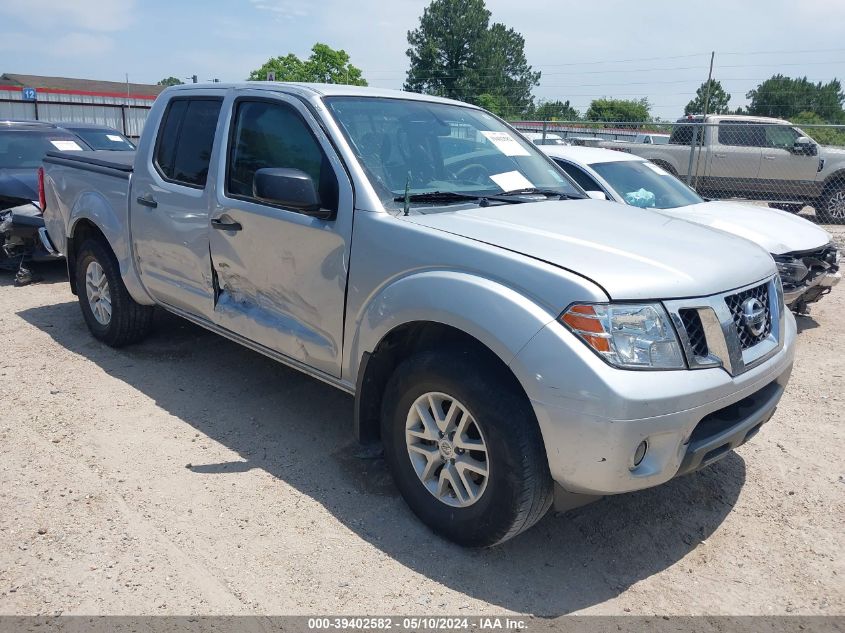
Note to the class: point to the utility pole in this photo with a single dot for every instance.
(127, 119)
(704, 120)
(694, 141)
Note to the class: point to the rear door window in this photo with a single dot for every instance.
(741, 134)
(185, 140)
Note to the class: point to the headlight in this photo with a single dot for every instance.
(792, 271)
(627, 335)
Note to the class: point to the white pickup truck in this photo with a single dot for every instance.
(508, 340)
(758, 158)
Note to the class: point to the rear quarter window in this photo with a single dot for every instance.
(185, 140)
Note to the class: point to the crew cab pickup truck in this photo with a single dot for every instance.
(509, 341)
(759, 158)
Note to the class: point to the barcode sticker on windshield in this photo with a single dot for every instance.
(505, 143)
(512, 181)
(656, 169)
(66, 146)
(114, 137)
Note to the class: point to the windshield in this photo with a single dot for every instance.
(435, 147)
(644, 184)
(103, 139)
(25, 149)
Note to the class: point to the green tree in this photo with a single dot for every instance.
(324, 65)
(718, 103)
(824, 135)
(494, 103)
(619, 110)
(786, 97)
(555, 111)
(455, 52)
(170, 81)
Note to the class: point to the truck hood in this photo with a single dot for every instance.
(631, 253)
(779, 232)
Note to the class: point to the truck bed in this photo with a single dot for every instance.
(102, 160)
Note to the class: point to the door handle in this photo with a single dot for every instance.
(768, 157)
(220, 225)
(147, 200)
(719, 155)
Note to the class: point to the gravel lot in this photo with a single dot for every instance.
(188, 475)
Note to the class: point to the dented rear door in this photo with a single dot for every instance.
(280, 276)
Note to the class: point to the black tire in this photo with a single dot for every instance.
(130, 321)
(519, 489)
(831, 206)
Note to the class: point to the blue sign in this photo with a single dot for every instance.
(29, 94)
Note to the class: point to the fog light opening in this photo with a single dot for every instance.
(639, 454)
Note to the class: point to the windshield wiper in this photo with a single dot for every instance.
(533, 191)
(453, 196)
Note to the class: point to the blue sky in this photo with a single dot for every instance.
(581, 48)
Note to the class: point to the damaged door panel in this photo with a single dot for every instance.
(170, 206)
(281, 274)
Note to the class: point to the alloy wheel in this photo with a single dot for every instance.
(97, 290)
(447, 449)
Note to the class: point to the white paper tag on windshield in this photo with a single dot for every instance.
(114, 137)
(656, 169)
(66, 146)
(505, 143)
(512, 181)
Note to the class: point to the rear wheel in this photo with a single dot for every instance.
(112, 316)
(831, 208)
(464, 448)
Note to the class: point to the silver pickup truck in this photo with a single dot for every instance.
(759, 158)
(509, 342)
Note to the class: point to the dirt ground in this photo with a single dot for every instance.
(188, 475)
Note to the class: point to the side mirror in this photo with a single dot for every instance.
(291, 188)
(597, 195)
(804, 146)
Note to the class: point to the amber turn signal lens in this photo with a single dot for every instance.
(583, 319)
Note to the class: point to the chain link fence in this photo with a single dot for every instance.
(787, 166)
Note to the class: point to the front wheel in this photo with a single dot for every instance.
(112, 316)
(831, 207)
(464, 448)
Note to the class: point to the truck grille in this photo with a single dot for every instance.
(695, 331)
(735, 302)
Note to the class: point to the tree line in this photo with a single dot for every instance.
(457, 51)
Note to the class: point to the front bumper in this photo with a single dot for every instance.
(811, 291)
(593, 417)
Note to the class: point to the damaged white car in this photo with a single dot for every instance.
(805, 255)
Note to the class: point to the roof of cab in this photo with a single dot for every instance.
(320, 90)
(588, 155)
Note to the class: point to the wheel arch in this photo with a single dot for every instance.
(425, 310)
(93, 216)
(81, 231)
(400, 343)
(832, 180)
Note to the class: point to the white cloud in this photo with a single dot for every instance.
(68, 45)
(89, 15)
(282, 9)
